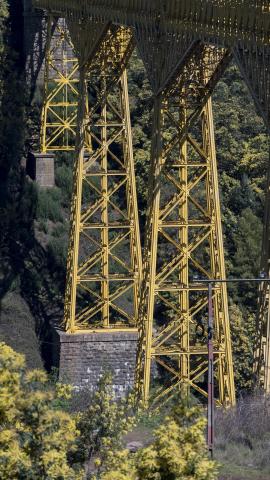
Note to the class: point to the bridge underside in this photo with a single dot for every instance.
(243, 26)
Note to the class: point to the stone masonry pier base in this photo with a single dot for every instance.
(84, 357)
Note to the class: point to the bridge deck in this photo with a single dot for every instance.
(228, 20)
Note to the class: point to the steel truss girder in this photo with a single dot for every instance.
(104, 257)
(217, 20)
(184, 236)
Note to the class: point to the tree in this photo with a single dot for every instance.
(178, 452)
(242, 332)
(35, 435)
(246, 259)
(103, 424)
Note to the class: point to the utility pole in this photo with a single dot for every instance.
(210, 346)
(210, 387)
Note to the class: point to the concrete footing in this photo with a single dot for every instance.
(85, 357)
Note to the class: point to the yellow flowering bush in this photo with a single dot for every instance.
(103, 424)
(178, 452)
(35, 436)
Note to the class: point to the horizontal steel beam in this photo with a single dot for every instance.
(221, 20)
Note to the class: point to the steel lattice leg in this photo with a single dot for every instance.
(262, 345)
(61, 94)
(184, 237)
(104, 259)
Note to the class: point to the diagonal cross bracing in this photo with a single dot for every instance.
(184, 221)
(104, 264)
(61, 95)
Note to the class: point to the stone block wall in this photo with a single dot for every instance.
(84, 357)
(40, 167)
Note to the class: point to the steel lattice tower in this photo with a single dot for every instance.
(104, 257)
(184, 221)
(86, 85)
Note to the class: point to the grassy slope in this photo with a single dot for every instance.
(17, 328)
(234, 472)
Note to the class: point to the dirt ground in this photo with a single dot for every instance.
(142, 436)
(233, 477)
(243, 475)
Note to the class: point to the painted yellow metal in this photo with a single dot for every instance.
(104, 258)
(106, 330)
(61, 92)
(262, 353)
(261, 365)
(184, 237)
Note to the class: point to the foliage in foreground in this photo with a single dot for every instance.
(39, 441)
(178, 452)
(35, 436)
(103, 424)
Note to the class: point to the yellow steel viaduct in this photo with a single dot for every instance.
(186, 46)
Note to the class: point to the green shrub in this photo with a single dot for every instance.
(63, 180)
(49, 205)
(57, 249)
(60, 230)
(103, 424)
(43, 226)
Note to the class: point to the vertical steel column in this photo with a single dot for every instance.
(75, 217)
(222, 327)
(183, 267)
(150, 253)
(131, 192)
(267, 352)
(104, 213)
